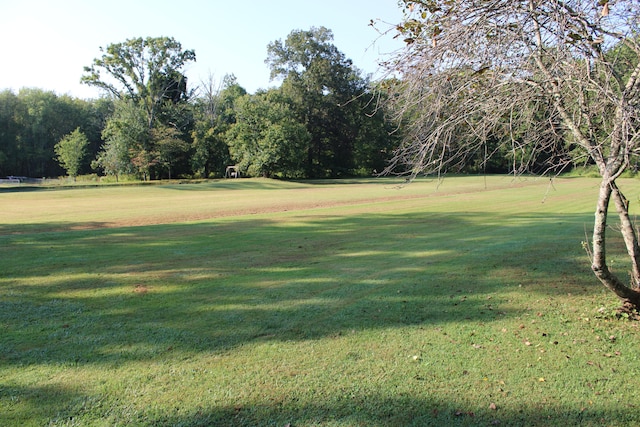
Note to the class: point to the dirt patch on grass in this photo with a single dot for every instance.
(140, 289)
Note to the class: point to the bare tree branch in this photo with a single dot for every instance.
(539, 80)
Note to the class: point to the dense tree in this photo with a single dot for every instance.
(623, 59)
(375, 136)
(146, 70)
(37, 116)
(149, 124)
(113, 160)
(214, 111)
(32, 122)
(170, 146)
(98, 112)
(474, 69)
(267, 139)
(126, 146)
(146, 75)
(9, 131)
(324, 89)
(71, 151)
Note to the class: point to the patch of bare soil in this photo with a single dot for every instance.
(140, 289)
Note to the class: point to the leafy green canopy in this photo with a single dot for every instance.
(146, 76)
(71, 151)
(33, 121)
(326, 93)
(144, 69)
(267, 139)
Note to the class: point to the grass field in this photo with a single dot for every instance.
(333, 303)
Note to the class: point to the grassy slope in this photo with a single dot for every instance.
(312, 304)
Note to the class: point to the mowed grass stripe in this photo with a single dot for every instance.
(356, 308)
(95, 207)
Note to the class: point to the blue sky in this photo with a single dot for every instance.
(46, 43)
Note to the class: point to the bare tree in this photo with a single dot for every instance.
(208, 94)
(559, 77)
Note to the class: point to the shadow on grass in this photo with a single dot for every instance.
(351, 410)
(400, 411)
(115, 295)
(107, 297)
(36, 402)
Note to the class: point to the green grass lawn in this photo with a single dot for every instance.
(332, 303)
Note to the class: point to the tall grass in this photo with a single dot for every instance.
(257, 302)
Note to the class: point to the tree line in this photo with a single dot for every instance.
(320, 122)
(325, 119)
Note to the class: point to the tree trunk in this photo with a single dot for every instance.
(629, 234)
(630, 297)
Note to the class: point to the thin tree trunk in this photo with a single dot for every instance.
(599, 259)
(628, 233)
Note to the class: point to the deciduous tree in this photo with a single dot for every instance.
(214, 114)
(127, 147)
(475, 69)
(170, 146)
(267, 139)
(9, 131)
(145, 74)
(71, 151)
(148, 71)
(322, 86)
(36, 121)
